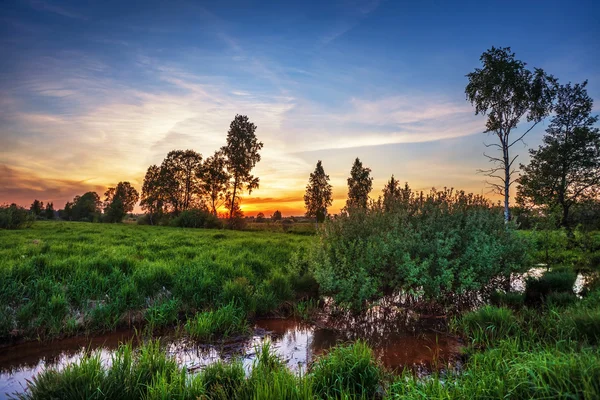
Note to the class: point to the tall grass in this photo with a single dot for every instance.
(223, 322)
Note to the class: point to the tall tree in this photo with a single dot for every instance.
(565, 169)
(318, 194)
(153, 197)
(119, 201)
(507, 92)
(360, 184)
(241, 154)
(391, 192)
(214, 180)
(180, 182)
(49, 211)
(36, 207)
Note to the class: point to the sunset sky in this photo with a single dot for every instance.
(92, 93)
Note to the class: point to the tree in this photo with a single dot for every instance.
(360, 184)
(36, 207)
(506, 92)
(214, 180)
(318, 194)
(260, 217)
(86, 207)
(119, 201)
(241, 155)
(565, 169)
(153, 198)
(67, 212)
(276, 216)
(179, 180)
(49, 211)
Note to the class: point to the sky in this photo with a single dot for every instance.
(93, 92)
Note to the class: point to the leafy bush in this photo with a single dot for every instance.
(223, 322)
(350, 370)
(444, 246)
(512, 300)
(537, 289)
(488, 324)
(196, 218)
(15, 217)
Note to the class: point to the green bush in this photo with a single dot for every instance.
(537, 289)
(488, 324)
(441, 246)
(15, 217)
(511, 300)
(196, 218)
(351, 370)
(561, 299)
(223, 322)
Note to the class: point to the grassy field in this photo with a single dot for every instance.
(60, 278)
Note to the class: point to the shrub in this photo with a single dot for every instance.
(512, 300)
(196, 218)
(224, 322)
(587, 324)
(15, 217)
(442, 246)
(346, 370)
(488, 324)
(561, 299)
(537, 289)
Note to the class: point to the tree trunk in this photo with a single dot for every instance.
(506, 184)
(235, 182)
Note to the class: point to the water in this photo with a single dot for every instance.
(397, 344)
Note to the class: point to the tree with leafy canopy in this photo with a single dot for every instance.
(241, 154)
(49, 211)
(507, 92)
(214, 180)
(260, 217)
(153, 197)
(36, 207)
(86, 207)
(119, 200)
(276, 216)
(318, 194)
(565, 169)
(179, 179)
(394, 194)
(360, 184)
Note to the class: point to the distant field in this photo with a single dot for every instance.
(62, 277)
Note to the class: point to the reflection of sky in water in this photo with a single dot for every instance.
(295, 343)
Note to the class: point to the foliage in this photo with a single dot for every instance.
(537, 289)
(360, 184)
(98, 275)
(350, 370)
(118, 201)
(276, 216)
(565, 169)
(14, 217)
(223, 381)
(511, 300)
(36, 207)
(507, 92)
(86, 207)
(488, 324)
(241, 155)
(214, 180)
(49, 211)
(446, 246)
(318, 194)
(196, 218)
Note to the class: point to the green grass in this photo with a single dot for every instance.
(60, 278)
(223, 322)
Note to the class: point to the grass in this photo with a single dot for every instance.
(61, 278)
(223, 322)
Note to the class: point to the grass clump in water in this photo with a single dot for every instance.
(347, 370)
(223, 322)
(488, 324)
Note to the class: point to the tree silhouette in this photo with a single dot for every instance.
(506, 92)
(86, 207)
(36, 207)
(276, 216)
(565, 169)
(119, 201)
(153, 197)
(49, 211)
(214, 180)
(241, 154)
(179, 179)
(360, 184)
(318, 194)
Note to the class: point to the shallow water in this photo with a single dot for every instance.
(396, 343)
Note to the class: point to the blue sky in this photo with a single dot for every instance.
(92, 93)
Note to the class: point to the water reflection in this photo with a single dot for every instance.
(395, 343)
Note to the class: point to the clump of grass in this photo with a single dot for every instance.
(586, 323)
(162, 314)
(350, 369)
(488, 324)
(511, 300)
(561, 299)
(223, 380)
(223, 322)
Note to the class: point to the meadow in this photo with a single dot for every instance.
(64, 278)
